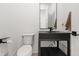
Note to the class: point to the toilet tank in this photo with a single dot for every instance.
(28, 39)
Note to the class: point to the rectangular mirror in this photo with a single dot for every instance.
(48, 15)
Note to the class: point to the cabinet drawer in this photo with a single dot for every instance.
(59, 36)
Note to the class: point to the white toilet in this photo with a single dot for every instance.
(26, 49)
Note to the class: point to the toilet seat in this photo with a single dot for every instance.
(25, 50)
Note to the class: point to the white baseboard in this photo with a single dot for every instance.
(34, 51)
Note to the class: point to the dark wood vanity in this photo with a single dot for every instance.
(54, 36)
(50, 23)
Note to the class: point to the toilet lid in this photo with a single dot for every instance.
(25, 50)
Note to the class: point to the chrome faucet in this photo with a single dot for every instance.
(50, 29)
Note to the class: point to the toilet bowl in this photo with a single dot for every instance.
(25, 50)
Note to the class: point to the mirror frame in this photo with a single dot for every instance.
(55, 20)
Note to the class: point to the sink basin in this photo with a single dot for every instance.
(54, 31)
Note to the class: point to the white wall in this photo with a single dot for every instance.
(75, 27)
(62, 14)
(19, 19)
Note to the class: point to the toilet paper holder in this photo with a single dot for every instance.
(74, 33)
(3, 40)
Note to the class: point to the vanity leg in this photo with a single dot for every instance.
(39, 48)
(68, 47)
(57, 44)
